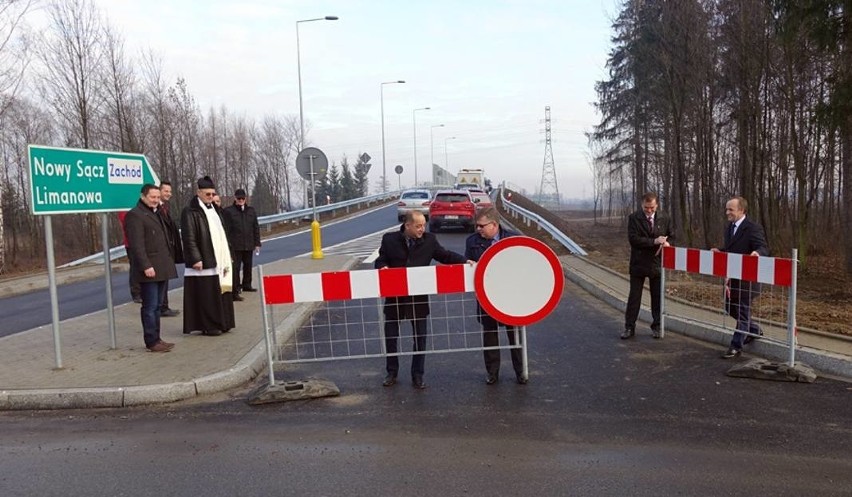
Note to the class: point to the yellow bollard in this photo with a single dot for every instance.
(316, 240)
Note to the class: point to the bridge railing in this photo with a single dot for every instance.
(530, 217)
(265, 221)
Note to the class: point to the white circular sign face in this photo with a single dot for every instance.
(518, 280)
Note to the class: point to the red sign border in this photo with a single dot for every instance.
(482, 266)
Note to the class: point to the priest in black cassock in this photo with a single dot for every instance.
(208, 304)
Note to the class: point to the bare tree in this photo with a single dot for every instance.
(71, 54)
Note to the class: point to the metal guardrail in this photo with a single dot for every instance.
(119, 251)
(529, 217)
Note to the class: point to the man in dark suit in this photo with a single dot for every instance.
(153, 260)
(411, 246)
(488, 232)
(173, 233)
(743, 236)
(648, 231)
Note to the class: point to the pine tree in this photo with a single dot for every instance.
(362, 182)
(348, 189)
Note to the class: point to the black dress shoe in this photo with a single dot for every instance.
(522, 380)
(627, 333)
(249, 289)
(212, 333)
(137, 300)
(731, 353)
(657, 333)
(238, 297)
(491, 379)
(390, 380)
(169, 313)
(750, 338)
(417, 382)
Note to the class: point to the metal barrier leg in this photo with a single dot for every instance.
(264, 312)
(791, 311)
(523, 349)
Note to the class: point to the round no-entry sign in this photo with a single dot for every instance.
(518, 280)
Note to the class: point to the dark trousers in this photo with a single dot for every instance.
(738, 297)
(152, 296)
(634, 301)
(490, 338)
(418, 361)
(242, 261)
(164, 305)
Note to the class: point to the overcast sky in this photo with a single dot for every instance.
(486, 68)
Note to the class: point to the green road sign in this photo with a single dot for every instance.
(76, 181)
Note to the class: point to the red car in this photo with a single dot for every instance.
(481, 199)
(451, 208)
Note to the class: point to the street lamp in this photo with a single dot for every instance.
(316, 252)
(446, 160)
(414, 118)
(299, 70)
(384, 167)
(432, 140)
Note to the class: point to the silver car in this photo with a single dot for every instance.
(413, 200)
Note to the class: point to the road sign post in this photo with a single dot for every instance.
(311, 163)
(79, 181)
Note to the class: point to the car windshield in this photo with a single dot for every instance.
(452, 197)
(416, 195)
(483, 198)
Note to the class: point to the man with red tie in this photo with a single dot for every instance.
(648, 231)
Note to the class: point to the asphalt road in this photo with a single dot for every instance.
(31, 310)
(600, 416)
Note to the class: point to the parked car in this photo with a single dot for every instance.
(481, 200)
(451, 208)
(413, 200)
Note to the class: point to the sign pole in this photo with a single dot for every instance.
(108, 277)
(54, 300)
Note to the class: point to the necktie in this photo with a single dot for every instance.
(410, 243)
(651, 221)
(733, 229)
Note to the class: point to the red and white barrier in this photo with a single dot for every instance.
(369, 283)
(770, 270)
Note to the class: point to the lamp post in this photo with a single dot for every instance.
(432, 140)
(446, 160)
(299, 72)
(414, 118)
(315, 227)
(384, 162)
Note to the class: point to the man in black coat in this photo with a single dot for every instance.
(488, 232)
(742, 236)
(207, 299)
(153, 259)
(411, 246)
(648, 231)
(244, 236)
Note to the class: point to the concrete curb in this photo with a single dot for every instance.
(252, 364)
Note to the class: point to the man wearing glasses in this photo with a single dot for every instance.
(488, 232)
(207, 297)
(244, 236)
